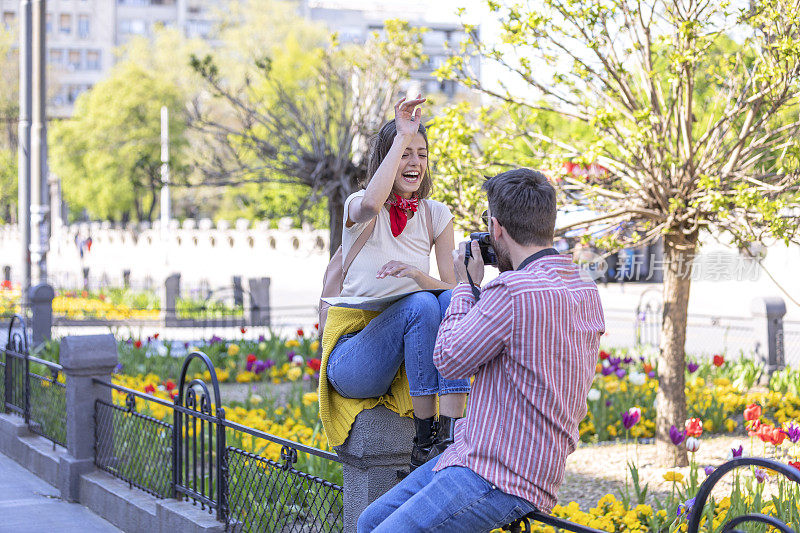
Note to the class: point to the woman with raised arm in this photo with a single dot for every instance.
(364, 352)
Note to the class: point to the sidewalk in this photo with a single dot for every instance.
(29, 504)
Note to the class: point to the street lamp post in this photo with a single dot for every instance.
(24, 154)
(40, 194)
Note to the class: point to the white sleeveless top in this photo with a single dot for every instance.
(412, 246)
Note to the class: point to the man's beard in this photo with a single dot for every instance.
(504, 263)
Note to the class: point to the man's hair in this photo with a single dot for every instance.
(524, 203)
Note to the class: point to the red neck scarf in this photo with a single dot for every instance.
(397, 211)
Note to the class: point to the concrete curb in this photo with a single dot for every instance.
(127, 508)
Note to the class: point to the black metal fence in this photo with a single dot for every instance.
(189, 459)
(31, 387)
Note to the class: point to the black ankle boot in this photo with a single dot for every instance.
(423, 441)
(445, 435)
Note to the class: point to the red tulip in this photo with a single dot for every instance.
(777, 437)
(719, 360)
(604, 355)
(149, 388)
(138, 344)
(316, 326)
(243, 330)
(795, 464)
(155, 335)
(300, 332)
(251, 358)
(647, 368)
(752, 412)
(765, 433)
(694, 427)
(314, 364)
(169, 385)
(754, 428)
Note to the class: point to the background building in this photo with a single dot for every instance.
(354, 21)
(82, 35)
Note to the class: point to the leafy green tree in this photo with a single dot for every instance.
(9, 112)
(690, 106)
(109, 154)
(303, 115)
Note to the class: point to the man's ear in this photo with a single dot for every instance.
(497, 229)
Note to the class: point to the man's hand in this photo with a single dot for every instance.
(475, 263)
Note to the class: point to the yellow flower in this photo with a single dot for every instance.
(292, 343)
(730, 425)
(314, 346)
(309, 398)
(233, 349)
(245, 377)
(294, 373)
(676, 477)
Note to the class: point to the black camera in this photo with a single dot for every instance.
(487, 252)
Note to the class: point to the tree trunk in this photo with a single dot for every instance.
(671, 397)
(335, 221)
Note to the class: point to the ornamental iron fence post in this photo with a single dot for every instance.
(193, 404)
(85, 359)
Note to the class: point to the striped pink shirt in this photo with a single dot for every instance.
(532, 343)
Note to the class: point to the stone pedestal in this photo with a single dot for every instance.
(41, 301)
(84, 359)
(768, 328)
(378, 446)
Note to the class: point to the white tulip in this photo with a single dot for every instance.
(636, 378)
(593, 395)
(692, 444)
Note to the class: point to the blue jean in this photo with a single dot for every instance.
(453, 499)
(364, 363)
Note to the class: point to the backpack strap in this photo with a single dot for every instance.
(357, 246)
(429, 222)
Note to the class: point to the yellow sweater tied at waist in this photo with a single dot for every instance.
(337, 412)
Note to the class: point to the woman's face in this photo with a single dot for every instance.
(413, 164)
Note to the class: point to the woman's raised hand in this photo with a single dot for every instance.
(406, 118)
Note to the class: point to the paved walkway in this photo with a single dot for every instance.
(29, 504)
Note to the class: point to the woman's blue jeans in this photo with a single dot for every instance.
(363, 364)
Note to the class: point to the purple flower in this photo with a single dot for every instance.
(306, 377)
(676, 436)
(614, 361)
(607, 370)
(260, 366)
(709, 470)
(249, 365)
(129, 341)
(692, 367)
(737, 452)
(631, 417)
(686, 507)
(148, 339)
(214, 340)
(628, 360)
(261, 338)
(186, 345)
(792, 431)
(651, 374)
(761, 475)
(118, 368)
(620, 373)
(290, 354)
(608, 403)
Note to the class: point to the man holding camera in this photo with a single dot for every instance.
(531, 338)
